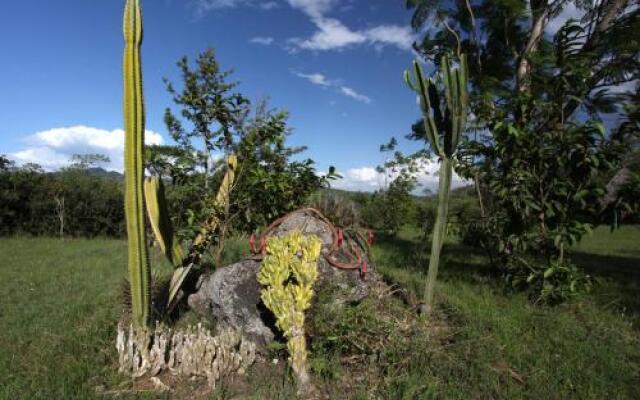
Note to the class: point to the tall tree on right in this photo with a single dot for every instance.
(551, 101)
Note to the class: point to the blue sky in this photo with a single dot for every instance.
(335, 65)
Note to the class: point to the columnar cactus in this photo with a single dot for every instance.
(288, 273)
(139, 271)
(444, 129)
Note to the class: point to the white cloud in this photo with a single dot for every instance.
(316, 78)
(321, 80)
(313, 8)
(627, 87)
(53, 148)
(203, 6)
(332, 34)
(269, 5)
(266, 41)
(399, 36)
(347, 91)
(367, 179)
(363, 179)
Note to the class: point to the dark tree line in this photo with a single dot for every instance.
(77, 201)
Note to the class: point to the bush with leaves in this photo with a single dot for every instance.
(270, 183)
(545, 190)
(538, 151)
(216, 118)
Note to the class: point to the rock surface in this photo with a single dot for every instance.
(231, 295)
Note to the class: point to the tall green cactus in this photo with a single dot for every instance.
(139, 271)
(444, 129)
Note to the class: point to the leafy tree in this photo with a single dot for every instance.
(5, 163)
(270, 183)
(543, 156)
(393, 206)
(210, 107)
(170, 162)
(216, 119)
(72, 202)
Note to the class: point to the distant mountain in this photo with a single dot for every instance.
(98, 171)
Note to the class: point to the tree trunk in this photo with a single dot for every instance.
(439, 233)
(540, 18)
(61, 216)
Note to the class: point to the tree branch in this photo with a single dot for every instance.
(540, 16)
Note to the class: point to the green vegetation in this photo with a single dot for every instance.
(444, 122)
(58, 317)
(545, 167)
(484, 341)
(524, 308)
(81, 200)
(214, 117)
(170, 246)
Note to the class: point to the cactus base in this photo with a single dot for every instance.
(194, 352)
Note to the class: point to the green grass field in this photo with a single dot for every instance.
(60, 304)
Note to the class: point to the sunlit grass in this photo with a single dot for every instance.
(60, 303)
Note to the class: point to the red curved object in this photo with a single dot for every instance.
(252, 242)
(262, 250)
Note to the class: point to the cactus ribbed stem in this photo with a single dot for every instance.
(139, 271)
(444, 130)
(439, 232)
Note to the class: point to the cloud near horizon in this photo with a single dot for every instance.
(367, 179)
(53, 148)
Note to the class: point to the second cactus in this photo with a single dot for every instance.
(444, 123)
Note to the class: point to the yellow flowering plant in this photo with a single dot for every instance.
(288, 273)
